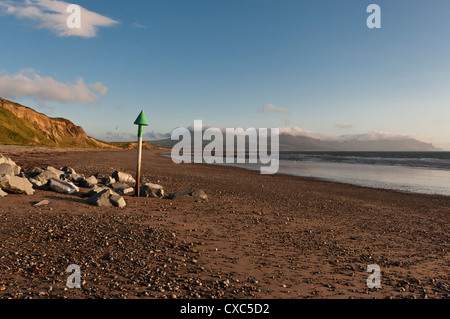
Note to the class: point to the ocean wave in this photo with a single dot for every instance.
(431, 160)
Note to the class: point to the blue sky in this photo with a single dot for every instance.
(310, 65)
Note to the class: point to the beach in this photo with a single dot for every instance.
(257, 236)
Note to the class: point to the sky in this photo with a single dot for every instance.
(308, 67)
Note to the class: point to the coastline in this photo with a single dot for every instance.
(411, 179)
(273, 236)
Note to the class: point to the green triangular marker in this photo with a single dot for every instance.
(141, 120)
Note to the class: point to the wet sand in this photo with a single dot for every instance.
(257, 237)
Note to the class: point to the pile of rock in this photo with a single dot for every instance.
(10, 180)
(15, 180)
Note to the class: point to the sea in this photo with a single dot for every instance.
(412, 172)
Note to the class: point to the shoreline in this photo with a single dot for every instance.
(325, 179)
(262, 237)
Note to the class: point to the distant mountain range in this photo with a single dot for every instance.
(305, 143)
(21, 125)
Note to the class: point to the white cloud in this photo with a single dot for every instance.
(296, 131)
(52, 15)
(370, 136)
(27, 83)
(274, 108)
(138, 25)
(378, 136)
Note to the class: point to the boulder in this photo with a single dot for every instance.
(6, 160)
(74, 178)
(36, 184)
(42, 203)
(62, 187)
(89, 182)
(107, 198)
(96, 190)
(2, 193)
(33, 171)
(8, 169)
(108, 180)
(122, 188)
(122, 177)
(99, 176)
(68, 170)
(101, 199)
(48, 174)
(189, 194)
(118, 201)
(152, 190)
(16, 185)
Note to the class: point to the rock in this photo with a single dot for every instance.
(108, 180)
(122, 177)
(152, 190)
(118, 201)
(16, 185)
(89, 182)
(54, 170)
(74, 178)
(36, 184)
(10, 169)
(107, 198)
(7, 169)
(99, 176)
(68, 170)
(42, 203)
(96, 190)
(48, 174)
(62, 186)
(101, 199)
(33, 171)
(122, 188)
(2, 193)
(189, 194)
(6, 160)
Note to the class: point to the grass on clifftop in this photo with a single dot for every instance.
(17, 131)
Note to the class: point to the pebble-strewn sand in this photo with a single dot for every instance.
(257, 237)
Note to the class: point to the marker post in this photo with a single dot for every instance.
(141, 121)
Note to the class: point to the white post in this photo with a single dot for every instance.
(137, 191)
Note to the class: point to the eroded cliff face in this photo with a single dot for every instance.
(22, 125)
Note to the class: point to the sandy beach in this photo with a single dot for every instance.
(274, 237)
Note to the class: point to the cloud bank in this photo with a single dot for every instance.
(28, 83)
(274, 108)
(52, 15)
(369, 136)
(380, 136)
(296, 131)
